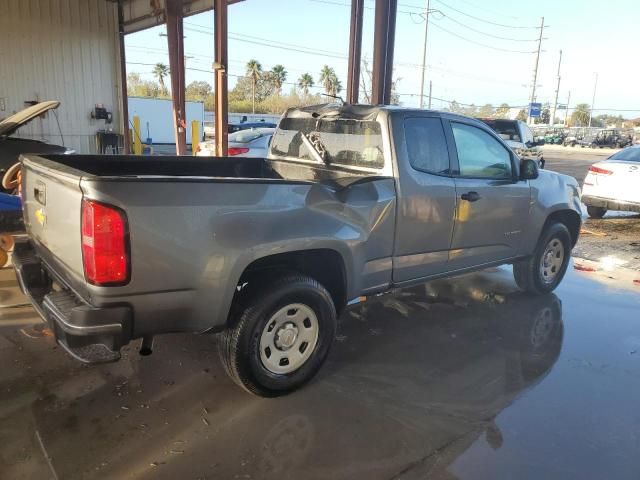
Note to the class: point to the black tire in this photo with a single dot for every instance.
(596, 212)
(239, 345)
(542, 162)
(527, 272)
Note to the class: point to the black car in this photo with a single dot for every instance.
(11, 147)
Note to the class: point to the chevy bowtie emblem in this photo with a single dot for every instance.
(40, 216)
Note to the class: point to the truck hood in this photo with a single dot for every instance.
(13, 122)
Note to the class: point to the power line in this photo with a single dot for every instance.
(483, 19)
(440, 27)
(448, 17)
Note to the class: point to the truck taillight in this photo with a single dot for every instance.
(105, 244)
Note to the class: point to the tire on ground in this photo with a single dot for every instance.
(527, 272)
(596, 212)
(239, 345)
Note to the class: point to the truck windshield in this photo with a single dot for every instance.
(349, 142)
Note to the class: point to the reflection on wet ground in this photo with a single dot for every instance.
(456, 379)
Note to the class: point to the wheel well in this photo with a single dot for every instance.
(324, 265)
(569, 219)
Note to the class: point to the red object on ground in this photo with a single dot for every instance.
(584, 268)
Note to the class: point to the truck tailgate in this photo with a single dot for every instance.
(52, 202)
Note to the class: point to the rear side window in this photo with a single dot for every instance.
(426, 145)
(479, 154)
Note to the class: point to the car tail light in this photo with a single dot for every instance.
(105, 244)
(237, 151)
(600, 171)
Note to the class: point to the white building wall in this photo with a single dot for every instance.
(64, 50)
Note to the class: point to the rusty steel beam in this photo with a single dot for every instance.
(221, 65)
(355, 51)
(175, 40)
(124, 107)
(383, 44)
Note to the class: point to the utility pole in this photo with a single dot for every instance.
(535, 72)
(430, 88)
(593, 100)
(566, 112)
(555, 103)
(424, 55)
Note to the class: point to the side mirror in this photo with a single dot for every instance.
(528, 169)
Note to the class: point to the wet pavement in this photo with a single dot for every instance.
(464, 378)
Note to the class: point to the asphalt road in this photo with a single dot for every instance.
(574, 161)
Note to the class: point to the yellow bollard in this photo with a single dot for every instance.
(195, 136)
(137, 140)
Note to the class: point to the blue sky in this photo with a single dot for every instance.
(595, 36)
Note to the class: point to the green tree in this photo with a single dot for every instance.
(486, 111)
(305, 82)
(254, 72)
(522, 115)
(455, 107)
(136, 87)
(503, 111)
(580, 115)
(160, 71)
(330, 81)
(278, 77)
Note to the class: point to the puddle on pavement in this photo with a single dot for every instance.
(465, 378)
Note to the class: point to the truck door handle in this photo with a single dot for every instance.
(470, 196)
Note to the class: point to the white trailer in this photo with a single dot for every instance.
(156, 118)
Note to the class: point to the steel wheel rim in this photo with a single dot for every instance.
(552, 260)
(289, 338)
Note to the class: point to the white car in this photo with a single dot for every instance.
(613, 184)
(252, 142)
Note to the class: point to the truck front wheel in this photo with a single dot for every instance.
(280, 336)
(543, 271)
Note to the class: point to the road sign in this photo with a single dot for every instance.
(534, 109)
(562, 106)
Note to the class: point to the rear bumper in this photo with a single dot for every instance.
(610, 204)
(90, 334)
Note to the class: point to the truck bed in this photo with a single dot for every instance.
(176, 168)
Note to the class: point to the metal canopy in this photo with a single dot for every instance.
(142, 14)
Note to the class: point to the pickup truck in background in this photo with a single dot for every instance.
(351, 201)
(519, 137)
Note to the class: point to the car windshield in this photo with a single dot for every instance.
(507, 130)
(628, 154)
(349, 142)
(244, 136)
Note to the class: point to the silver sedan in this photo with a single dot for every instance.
(252, 142)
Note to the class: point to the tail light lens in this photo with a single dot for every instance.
(105, 244)
(600, 171)
(237, 151)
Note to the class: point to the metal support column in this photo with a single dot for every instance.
(124, 107)
(221, 66)
(355, 51)
(383, 43)
(175, 40)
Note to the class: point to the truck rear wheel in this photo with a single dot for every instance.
(543, 271)
(279, 337)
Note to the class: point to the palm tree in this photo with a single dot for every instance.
(305, 82)
(254, 72)
(278, 76)
(160, 71)
(327, 77)
(580, 115)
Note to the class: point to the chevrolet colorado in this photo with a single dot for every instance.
(352, 201)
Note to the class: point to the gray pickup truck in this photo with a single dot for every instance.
(352, 201)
